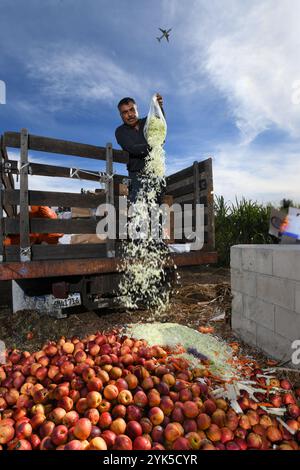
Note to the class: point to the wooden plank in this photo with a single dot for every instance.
(206, 246)
(189, 213)
(194, 258)
(5, 156)
(196, 183)
(178, 186)
(65, 147)
(183, 190)
(109, 187)
(51, 198)
(1, 212)
(25, 251)
(73, 267)
(84, 225)
(38, 169)
(210, 203)
(180, 191)
(203, 200)
(192, 188)
(41, 269)
(193, 219)
(185, 199)
(185, 173)
(55, 252)
(180, 236)
(8, 209)
(179, 175)
(6, 179)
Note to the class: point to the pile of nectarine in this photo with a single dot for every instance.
(113, 392)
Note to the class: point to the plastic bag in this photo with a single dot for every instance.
(155, 129)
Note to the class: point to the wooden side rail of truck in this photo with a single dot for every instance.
(88, 269)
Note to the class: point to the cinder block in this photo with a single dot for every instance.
(264, 261)
(249, 259)
(236, 321)
(287, 323)
(256, 259)
(263, 313)
(249, 306)
(246, 330)
(274, 344)
(243, 281)
(236, 257)
(286, 263)
(297, 297)
(237, 303)
(276, 291)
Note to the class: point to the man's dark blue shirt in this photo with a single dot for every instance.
(133, 141)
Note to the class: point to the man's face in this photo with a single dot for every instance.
(129, 114)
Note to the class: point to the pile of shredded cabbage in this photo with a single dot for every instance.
(220, 355)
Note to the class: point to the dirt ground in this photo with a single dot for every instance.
(202, 294)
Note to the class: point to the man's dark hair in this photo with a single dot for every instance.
(126, 100)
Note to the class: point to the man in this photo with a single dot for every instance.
(130, 136)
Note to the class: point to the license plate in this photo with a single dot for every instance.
(71, 301)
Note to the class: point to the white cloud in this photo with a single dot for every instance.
(266, 176)
(249, 51)
(241, 171)
(83, 76)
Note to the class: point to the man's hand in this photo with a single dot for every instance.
(160, 100)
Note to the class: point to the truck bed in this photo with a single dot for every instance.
(71, 267)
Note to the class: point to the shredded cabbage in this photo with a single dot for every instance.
(173, 334)
(156, 131)
(143, 262)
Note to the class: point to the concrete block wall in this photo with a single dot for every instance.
(265, 283)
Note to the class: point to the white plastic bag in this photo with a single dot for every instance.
(155, 129)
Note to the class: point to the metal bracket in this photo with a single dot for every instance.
(20, 167)
(74, 172)
(103, 177)
(25, 254)
(7, 167)
(107, 178)
(111, 254)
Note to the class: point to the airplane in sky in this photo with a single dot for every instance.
(165, 34)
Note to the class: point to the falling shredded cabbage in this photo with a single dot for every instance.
(143, 261)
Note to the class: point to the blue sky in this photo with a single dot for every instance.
(230, 78)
